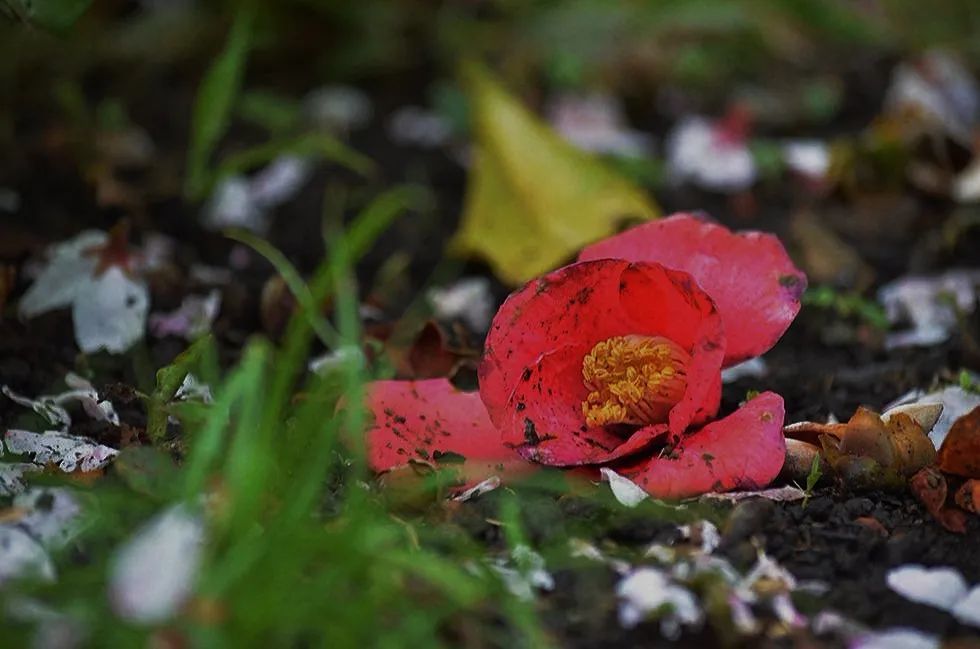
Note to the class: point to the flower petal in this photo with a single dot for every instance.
(531, 373)
(748, 275)
(423, 420)
(745, 450)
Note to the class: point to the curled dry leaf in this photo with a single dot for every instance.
(929, 486)
(870, 450)
(960, 452)
(968, 496)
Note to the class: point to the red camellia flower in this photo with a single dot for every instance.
(616, 360)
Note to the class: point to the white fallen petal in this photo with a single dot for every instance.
(110, 312)
(70, 453)
(767, 569)
(469, 299)
(233, 206)
(191, 320)
(67, 269)
(697, 153)
(939, 587)
(924, 301)
(966, 186)
(336, 359)
(647, 592)
(191, 389)
(896, 639)
(703, 532)
(967, 610)
(752, 368)
(479, 489)
(45, 406)
(50, 515)
(586, 550)
(810, 158)
(627, 492)
(937, 91)
(419, 127)
(596, 123)
(524, 572)
(153, 574)
(279, 181)
(12, 474)
(338, 108)
(22, 556)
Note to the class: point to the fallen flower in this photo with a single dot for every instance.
(713, 155)
(560, 378)
(93, 274)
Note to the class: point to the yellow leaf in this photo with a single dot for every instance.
(533, 199)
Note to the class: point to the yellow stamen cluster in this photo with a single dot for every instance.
(633, 380)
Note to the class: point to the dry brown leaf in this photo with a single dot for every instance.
(960, 451)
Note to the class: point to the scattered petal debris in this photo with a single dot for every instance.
(627, 492)
(68, 452)
(12, 474)
(192, 389)
(929, 304)
(936, 94)
(523, 572)
(52, 407)
(712, 155)
(154, 572)
(596, 123)
(469, 299)
(191, 320)
(416, 126)
(48, 514)
(338, 109)
(898, 638)
(22, 556)
(648, 592)
(247, 202)
(808, 158)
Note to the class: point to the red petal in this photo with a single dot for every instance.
(748, 275)
(531, 374)
(745, 450)
(421, 420)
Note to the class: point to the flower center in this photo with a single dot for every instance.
(633, 380)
